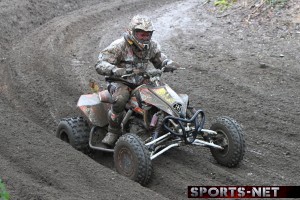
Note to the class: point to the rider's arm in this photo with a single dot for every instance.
(159, 57)
(109, 59)
(160, 60)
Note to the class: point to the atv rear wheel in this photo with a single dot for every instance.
(74, 131)
(132, 159)
(230, 137)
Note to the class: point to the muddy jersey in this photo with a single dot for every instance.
(123, 54)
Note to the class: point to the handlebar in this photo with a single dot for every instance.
(128, 75)
(153, 75)
(146, 74)
(150, 73)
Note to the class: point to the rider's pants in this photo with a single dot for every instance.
(120, 97)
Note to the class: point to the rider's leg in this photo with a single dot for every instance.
(116, 114)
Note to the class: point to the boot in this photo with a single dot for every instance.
(114, 128)
(110, 139)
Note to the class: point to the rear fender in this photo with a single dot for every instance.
(105, 96)
(93, 109)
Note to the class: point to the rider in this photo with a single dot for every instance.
(130, 53)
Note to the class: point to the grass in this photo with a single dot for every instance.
(224, 4)
(3, 193)
(277, 2)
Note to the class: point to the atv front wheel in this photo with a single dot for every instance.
(132, 159)
(230, 137)
(74, 131)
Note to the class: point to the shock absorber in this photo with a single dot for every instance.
(156, 121)
(126, 118)
(156, 124)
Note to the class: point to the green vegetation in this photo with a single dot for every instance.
(277, 2)
(3, 193)
(224, 4)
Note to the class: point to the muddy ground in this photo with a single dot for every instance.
(243, 62)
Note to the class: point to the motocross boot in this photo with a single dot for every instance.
(114, 128)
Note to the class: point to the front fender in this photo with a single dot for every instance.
(185, 98)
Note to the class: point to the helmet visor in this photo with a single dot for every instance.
(143, 36)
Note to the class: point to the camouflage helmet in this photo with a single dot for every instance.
(140, 23)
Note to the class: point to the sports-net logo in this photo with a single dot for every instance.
(243, 191)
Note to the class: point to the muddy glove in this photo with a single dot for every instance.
(139, 72)
(170, 65)
(119, 71)
(154, 72)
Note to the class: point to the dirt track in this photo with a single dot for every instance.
(250, 72)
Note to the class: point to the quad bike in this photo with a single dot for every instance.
(157, 119)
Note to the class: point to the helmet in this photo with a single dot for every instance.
(140, 31)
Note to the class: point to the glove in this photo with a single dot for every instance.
(154, 72)
(169, 65)
(119, 71)
(139, 72)
(170, 68)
